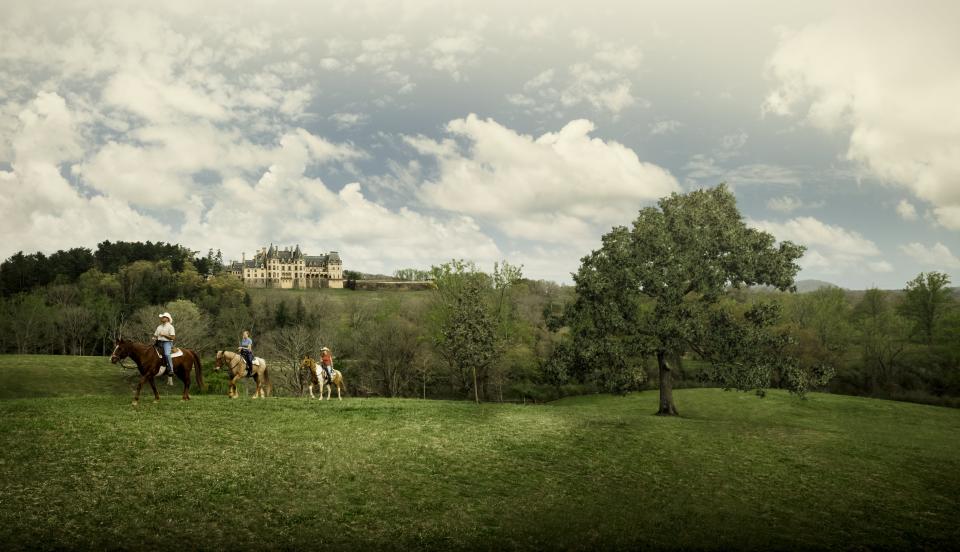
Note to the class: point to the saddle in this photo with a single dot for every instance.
(322, 374)
(173, 354)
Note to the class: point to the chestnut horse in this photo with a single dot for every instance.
(237, 369)
(318, 376)
(150, 365)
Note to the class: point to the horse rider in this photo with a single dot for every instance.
(164, 336)
(326, 361)
(246, 351)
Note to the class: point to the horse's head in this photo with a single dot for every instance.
(308, 363)
(121, 350)
(216, 366)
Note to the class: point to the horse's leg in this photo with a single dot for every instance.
(153, 385)
(339, 398)
(310, 387)
(256, 379)
(136, 396)
(186, 383)
(233, 386)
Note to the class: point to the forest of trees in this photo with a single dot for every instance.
(482, 335)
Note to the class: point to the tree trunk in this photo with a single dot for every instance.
(476, 392)
(667, 407)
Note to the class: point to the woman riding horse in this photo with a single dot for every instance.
(150, 365)
(237, 369)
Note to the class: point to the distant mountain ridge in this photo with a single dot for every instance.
(804, 286)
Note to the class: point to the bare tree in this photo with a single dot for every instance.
(75, 324)
(288, 347)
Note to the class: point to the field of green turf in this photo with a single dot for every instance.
(81, 468)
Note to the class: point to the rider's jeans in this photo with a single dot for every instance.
(167, 351)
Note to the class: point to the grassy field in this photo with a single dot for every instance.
(81, 468)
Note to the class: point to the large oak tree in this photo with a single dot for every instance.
(658, 289)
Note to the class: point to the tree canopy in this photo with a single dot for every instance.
(656, 289)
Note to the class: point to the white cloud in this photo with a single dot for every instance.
(948, 216)
(539, 188)
(601, 84)
(451, 53)
(665, 127)
(370, 236)
(348, 120)
(880, 266)
(41, 209)
(937, 256)
(784, 204)
(47, 131)
(897, 98)
(906, 210)
(831, 248)
(603, 89)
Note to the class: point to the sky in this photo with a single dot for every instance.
(404, 133)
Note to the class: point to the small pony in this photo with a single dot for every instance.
(318, 376)
(237, 369)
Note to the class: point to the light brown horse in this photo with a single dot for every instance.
(150, 364)
(237, 368)
(318, 376)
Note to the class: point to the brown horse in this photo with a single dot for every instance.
(318, 377)
(237, 368)
(150, 364)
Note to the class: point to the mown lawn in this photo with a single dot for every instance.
(735, 471)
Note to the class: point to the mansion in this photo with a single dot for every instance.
(287, 268)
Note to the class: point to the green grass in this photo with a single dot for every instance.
(735, 471)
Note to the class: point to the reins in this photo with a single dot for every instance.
(233, 361)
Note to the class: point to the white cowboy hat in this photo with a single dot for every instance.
(324, 349)
(167, 314)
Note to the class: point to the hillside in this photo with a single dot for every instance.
(735, 471)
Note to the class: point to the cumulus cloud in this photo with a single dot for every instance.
(557, 186)
(936, 256)
(895, 98)
(41, 209)
(196, 140)
(831, 248)
(906, 210)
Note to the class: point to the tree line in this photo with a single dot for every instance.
(657, 305)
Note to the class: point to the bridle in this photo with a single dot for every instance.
(114, 358)
(231, 362)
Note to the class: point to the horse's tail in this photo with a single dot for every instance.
(266, 379)
(199, 366)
